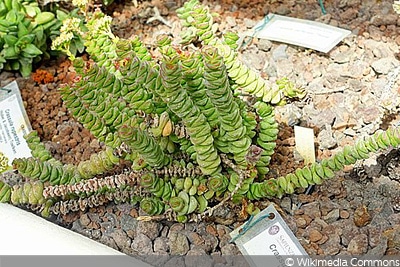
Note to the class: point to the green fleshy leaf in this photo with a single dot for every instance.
(25, 40)
(10, 53)
(22, 30)
(61, 15)
(29, 10)
(32, 50)
(10, 40)
(26, 67)
(12, 16)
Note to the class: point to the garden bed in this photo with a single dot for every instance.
(356, 213)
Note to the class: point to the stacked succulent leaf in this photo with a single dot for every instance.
(182, 123)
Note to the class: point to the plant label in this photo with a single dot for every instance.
(304, 138)
(267, 234)
(14, 124)
(306, 33)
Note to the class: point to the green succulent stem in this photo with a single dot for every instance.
(232, 130)
(55, 173)
(195, 122)
(38, 149)
(316, 173)
(145, 145)
(202, 26)
(28, 193)
(44, 171)
(177, 204)
(100, 42)
(159, 187)
(152, 206)
(218, 183)
(193, 74)
(267, 135)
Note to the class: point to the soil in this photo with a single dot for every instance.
(355, 213)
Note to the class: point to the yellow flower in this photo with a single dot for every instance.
(71, 25)
(80, 3)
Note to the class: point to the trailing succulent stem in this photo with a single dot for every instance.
(194, 128)
(199, 23)
(317, 172)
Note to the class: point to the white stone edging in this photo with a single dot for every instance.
(24, 233)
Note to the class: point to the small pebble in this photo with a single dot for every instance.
(315, 235)
(358, 245)
(344, 214)
(361, 216)
(301, 222)
(84, 219)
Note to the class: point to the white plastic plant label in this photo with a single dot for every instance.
(306, 33)
(14, 124)
(267, 234)
(305, 144)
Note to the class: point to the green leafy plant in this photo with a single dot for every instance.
(196, 126)
(26, 33)
(23, 30)
(65, 39)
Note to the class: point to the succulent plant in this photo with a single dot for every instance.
(66, 33)
(24, 31)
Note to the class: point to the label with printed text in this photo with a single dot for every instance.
(13, 124)
(267, 234)
(306, 33)
(272, 241)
